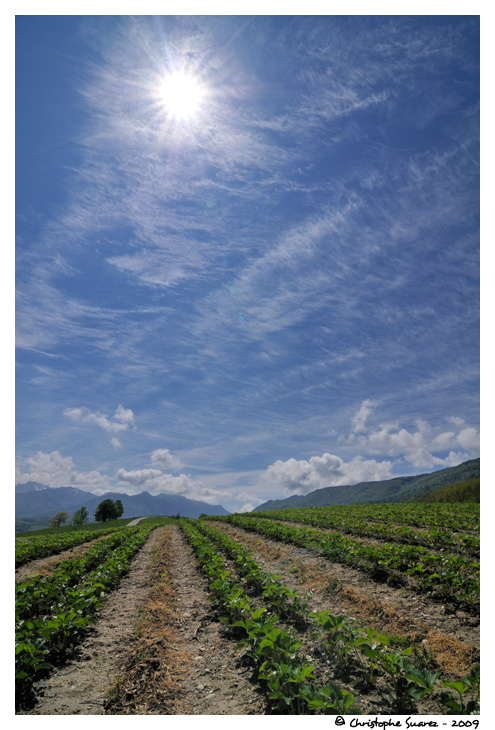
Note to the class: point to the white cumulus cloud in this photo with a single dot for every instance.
(154, 481)
(138, 476)
(55, 470)
(328, 470)
(420, 447)
(469, 438)
(124, 415)
(166, 460)
(444, 441)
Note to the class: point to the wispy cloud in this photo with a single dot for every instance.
(359, 419)
(122, 419)
(132, 187)
(261, 283)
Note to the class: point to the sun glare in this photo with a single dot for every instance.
(181, 94)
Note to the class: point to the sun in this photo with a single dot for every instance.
(181, 95)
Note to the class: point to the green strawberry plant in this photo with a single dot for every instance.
(458, 703)
(53, 613)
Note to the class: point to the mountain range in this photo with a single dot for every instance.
(35, 501)
(399, 489)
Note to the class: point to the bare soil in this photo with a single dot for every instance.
(158, 648)
(79, 687)
(216, 684)
(212, 683)
(453, 637)
(367, 540)
(44, 566)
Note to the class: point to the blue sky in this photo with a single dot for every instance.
(262, 284)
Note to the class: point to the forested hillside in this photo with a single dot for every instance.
(400, 489)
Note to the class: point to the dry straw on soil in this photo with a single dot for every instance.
(150, 674)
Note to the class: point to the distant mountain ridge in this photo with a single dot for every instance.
(35, 500)
(29, 487)
(399, 489)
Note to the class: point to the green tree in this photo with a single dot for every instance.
(119, 508)
(106, 510)
(80, 516)
(59, 519)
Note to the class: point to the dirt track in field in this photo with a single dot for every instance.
(44, 566)
(188, 666)
(216, 684)
(368, 540)
(453, 637)
(78, 688)
(213, 685)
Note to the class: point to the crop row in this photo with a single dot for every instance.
(351, 649)
(289, 605)
(323, 517)
(42, 546)
(445, 516)
(53, 613)
(445, 577)
(36, 595)
(272, 651)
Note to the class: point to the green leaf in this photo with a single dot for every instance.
(458, 686)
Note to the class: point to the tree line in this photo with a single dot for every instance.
(467, 491)
(108, 509)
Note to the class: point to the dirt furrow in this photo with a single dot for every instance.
(162, 650)
(380, 541)
(216, 684)
(453, 638)
(79, 687)
(44, 566)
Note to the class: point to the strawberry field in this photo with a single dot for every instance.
(41, 546)
(367, 609)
